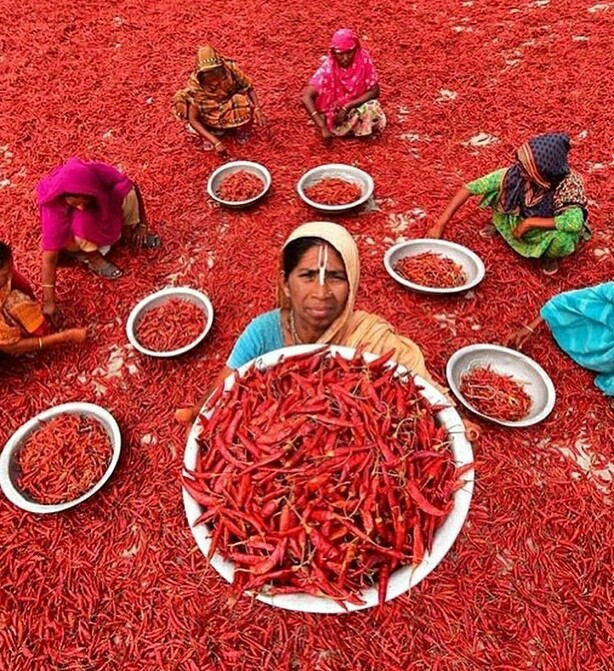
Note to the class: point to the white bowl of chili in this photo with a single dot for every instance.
(344, 179)
(533, 379)
(188, 314)
(403, 578)
(457, 263)
(239, 184)
(12, 477)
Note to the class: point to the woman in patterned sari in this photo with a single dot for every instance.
(219, 97)
(342, 95)
(539, 205)
(23, 327)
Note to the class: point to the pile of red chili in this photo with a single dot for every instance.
(63, 459)
(333, 191)
(323, 476)
(431, 270)
(239, 186)
(494, 394)
(170, 325)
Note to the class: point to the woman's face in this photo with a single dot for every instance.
(344, 58)
(212, 76)
(78, 201)
(318, 304)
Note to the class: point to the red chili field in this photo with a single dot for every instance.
(118, 583)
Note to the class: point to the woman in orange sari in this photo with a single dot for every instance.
(318, 280)
(219, 97)
(23, 327)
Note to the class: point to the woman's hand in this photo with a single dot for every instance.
(341, 115)
(327, 136)
(472, 431)
(518, 338)
(220, 149)
(139, 237)
(186, 415)
(436, 230)
(259, 117)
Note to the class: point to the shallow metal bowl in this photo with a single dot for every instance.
(8, 466)
(218, 175)
(158, 298)
(470, 262)
(531, 375)
(346, 172)
(401, 580)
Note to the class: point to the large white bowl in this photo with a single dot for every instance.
(158, 298)
(8, 466)
(470, 262)
(535, 380)
(346, 172)
(401, 580)
(235, 166)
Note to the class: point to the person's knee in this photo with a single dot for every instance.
(563, 244)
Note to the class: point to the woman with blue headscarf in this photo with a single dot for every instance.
(539, 205)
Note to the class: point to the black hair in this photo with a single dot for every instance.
(295, 250)
(5, 253)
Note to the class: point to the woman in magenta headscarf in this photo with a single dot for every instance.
(86, 207)
(342, 95)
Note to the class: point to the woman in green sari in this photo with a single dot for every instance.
(539, 205)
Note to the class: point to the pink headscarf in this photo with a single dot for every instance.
(336, 85)
(60, 222)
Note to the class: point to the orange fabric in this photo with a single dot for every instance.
(19, 315)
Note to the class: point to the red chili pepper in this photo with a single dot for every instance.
(431, 270)
(240, 185)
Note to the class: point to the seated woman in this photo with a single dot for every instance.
(539, 206)
(219, 97)
(86, 207)
(318, 280)
(23, 327)
(342, 95)
(582, 323)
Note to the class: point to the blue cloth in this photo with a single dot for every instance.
(263, 334)
(582, 323)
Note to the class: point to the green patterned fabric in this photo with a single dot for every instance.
(550, 243)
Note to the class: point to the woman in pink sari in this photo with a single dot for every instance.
(85, 208)
(342, 95)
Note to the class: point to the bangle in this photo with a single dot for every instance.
(217, 144)
(48, 286)
(40, 343)
(314, 112)
(526, 326)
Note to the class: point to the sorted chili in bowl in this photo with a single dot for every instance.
(323, 476)
(494, 394)
(333, 191)
(63, 459)
(431, 270)
(239, 186)
(170, 325)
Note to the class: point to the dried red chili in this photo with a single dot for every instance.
(171, 325)
(63, 459)
(333, 191)
(494, 394)
(431, 270)
(239, 186)
(327, 495)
